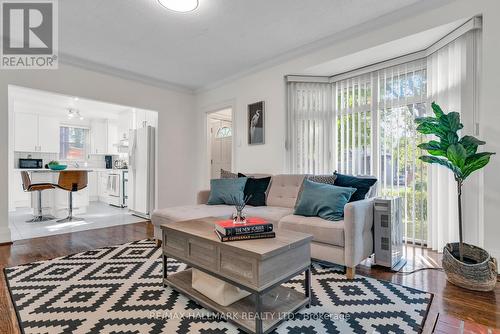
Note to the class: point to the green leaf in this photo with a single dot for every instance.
(444, 123)
(432, 129)
(470, 144)
(420, 120)
(437, 110)
(435, 148)
(443, 162)
(475, 162)
(454, 121)
(456, 154)
(452, 137)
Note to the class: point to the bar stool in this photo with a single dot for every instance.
(72, 181)
(38, 187)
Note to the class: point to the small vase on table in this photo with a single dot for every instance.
(239, 217)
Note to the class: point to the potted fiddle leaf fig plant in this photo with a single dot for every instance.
(465, 265)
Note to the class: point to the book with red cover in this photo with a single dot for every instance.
(252, 226)
(263, 235)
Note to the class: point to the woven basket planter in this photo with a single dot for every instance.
(480, 276)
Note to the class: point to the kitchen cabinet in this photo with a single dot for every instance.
(36, 133)
(19, 197)
(48, 134)
(143, 118)
(93, 185)
(113, 137)
(98, 137)
(104, 137)
(103, 187)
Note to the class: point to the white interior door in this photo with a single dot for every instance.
(221, 146)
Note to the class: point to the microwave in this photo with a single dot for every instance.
(30, 163)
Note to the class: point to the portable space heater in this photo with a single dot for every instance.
(388, 232)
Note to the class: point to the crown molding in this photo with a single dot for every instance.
(124, 74)
(377, 23)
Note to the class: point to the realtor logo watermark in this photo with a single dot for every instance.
(29, 34)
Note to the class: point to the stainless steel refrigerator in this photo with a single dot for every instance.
(141, 172)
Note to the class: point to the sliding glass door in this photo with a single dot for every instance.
(402, 97)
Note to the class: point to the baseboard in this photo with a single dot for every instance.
(5, 236)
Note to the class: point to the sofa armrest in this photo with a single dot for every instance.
(202, 197)
(358, 223)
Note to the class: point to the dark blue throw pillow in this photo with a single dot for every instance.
(362, 185)
(256, 189)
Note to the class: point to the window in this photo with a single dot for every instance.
(73, 143)
(223, 132)
(402, 96)
(364, 125)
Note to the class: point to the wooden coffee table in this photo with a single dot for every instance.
(258, 266)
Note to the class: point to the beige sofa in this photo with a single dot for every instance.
(345, 242)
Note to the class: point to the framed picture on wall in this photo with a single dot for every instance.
(256, 123)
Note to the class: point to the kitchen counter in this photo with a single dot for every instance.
(46, 170)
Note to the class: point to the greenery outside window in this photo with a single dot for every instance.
(73, 143)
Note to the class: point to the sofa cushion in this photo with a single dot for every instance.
(272, 214)
(284, 190)
(323, 231)
(323, 178)
(226, 191)
(225, 174)
(363, 185)
(256, 188)
(323, 200)
(188, 212)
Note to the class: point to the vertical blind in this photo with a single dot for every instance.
(401, 96)
(310, 127)
(364, 126)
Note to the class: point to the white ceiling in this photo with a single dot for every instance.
(218, 40)
(379, 53)
(58, 104)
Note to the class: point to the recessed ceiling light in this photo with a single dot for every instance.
(179, 5)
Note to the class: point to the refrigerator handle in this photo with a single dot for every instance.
(132, 149)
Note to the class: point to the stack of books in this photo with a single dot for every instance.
(254, 228)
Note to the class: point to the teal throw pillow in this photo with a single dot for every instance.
(323, 200)
(226, 191)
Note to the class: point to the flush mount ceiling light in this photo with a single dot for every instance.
(179, 5)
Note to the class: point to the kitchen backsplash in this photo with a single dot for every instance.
(94, 161)
(46, 157)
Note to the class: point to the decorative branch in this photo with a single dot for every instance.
(240, 205)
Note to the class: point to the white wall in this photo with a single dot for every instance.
(269, 85)
(177, 140)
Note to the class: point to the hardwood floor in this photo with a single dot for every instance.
(450, 305)
(450, 301)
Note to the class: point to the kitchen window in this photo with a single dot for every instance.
(73, 143)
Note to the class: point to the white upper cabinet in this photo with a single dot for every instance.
(48, 134)
(25, 132)
(36, 133)
(99, 137)
(104, 137)
(113, 137)
(142, 118)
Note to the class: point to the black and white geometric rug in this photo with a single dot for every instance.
(119, 289)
